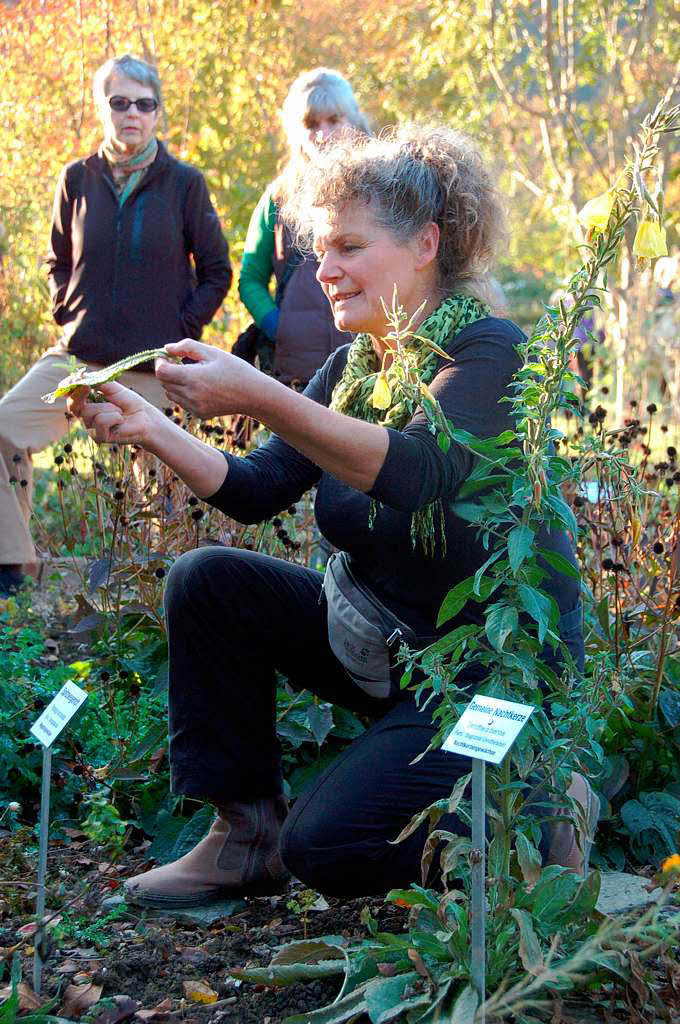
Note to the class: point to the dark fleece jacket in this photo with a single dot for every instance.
(126, 279)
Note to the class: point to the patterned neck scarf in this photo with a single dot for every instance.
(128, 169)
(353, 393)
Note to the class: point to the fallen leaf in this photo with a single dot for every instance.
(123, 1009)
(82, 952)
(79, 998)
(28, 1000)
(387, 970)
(82, 978)
(192, 954)
(419, 964)
(160, 1010)
(68, 967)
(199, 991)
(27, 930)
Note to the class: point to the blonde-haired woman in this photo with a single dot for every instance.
(416, 209)
(296, 323)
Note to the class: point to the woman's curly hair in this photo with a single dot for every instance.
(410, 176)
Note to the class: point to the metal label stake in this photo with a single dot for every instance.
(46, 728)
(477, 881)
(484, 732)
(42, 866)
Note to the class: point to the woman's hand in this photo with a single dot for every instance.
(124, 418)
(215, 383)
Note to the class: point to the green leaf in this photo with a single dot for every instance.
(194, 830)
(454, 601)
(529, 947)
(520, 540)
(559, 562)
(552, 894)
(92, 378)
(320, 718)
(465, 1007)
(167, 829)
(458, 793)
(280, 975)
(485, 445)
(529, 859)
(538, 606)
(310, 951)
(563, 512)
(474, 485)
(499, 852)
(450, 641)
(468, 511)
(349, 1008)
(602, 613)
(669, 706)
(500, 622)
(479, 575)
(385, 997)
(585, 899)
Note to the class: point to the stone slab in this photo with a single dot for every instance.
(621, 892)
(200, 915)
(190, 915)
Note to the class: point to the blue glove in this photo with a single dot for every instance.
(270, 322)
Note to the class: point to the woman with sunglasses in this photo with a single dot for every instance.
(127, 224)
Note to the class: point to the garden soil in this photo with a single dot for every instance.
(107, 962)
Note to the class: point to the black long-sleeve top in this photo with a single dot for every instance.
(415, 472)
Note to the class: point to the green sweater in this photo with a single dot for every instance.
(257, 266)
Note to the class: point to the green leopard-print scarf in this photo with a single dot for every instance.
(353, 394)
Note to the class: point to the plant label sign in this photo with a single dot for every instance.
(488, 728)
(57, 713)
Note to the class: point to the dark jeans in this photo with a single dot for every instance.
(235, 618)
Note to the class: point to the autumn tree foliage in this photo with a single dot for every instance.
(552, 88)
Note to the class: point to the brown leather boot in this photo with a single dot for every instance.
(570, 845)
(238, 857)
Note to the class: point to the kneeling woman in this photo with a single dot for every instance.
(417, 210)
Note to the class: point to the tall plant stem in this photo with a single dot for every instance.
(663, 642)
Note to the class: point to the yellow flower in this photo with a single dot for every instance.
(382, 393)
(426, 393)
(650, 240)
(595, 214)
(671, 863)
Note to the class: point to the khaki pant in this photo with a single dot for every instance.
(28, 425)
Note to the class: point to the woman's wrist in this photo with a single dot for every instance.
(161, 435)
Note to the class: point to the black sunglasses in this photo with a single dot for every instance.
(144, 106)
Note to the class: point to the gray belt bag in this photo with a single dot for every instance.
(363, 634)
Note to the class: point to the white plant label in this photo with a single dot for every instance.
(488, 728)
(57, 713)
